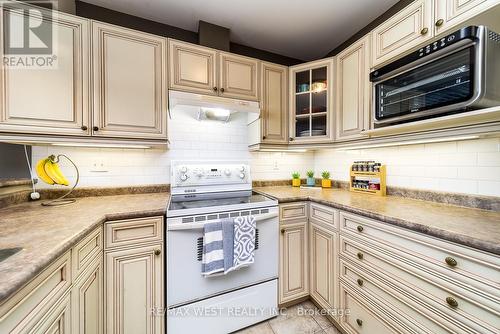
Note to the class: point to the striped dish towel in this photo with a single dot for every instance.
(218, 250)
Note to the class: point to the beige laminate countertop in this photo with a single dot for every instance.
(45, 233)
(475, 228)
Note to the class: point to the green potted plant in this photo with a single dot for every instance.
(296, 179)
(310, 178)
(325, 179)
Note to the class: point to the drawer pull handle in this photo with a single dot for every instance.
(282, 231)
(360, 255)
(360, 228)
(157, 251)
(450, 261)
(452, 302)
(360, 282)
(439, 22)
(424, 31)
(359, 322)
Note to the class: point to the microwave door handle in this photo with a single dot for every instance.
(199, 226)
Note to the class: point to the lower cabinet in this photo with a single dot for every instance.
(134, 279)
(293, 271)
(323, 264)
(87, 300)
(58, 320)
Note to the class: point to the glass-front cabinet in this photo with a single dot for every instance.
(311, 102)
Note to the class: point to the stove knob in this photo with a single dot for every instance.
(242, 176)
(184, 169)
(242, 168)
(227, 171)
(184, 177)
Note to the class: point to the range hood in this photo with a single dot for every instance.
(213, 105)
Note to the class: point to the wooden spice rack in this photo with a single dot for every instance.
(358, 175)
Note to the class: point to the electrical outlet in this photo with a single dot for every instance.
(98, 166)
(275, 165)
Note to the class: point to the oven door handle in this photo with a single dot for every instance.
(196, 226)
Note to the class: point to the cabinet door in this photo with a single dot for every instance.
(130, 93)
(87, 300)
(311, 102)
(192, 68)
(45, 99)
(274, 109)
(353, 90)
(238, 77)
(450, 13)
(293, 276)
(134, 290)
(405, 30)
(323, 265)
(58, 319)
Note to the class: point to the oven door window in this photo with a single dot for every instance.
(444, 81)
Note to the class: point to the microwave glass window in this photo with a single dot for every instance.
(444, 81)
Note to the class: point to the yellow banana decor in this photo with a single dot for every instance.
(49, 172)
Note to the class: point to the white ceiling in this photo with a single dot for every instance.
(301, 29)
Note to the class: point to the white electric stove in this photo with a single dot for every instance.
(209, 191)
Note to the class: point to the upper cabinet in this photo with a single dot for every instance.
(202, 70)
(130, 91)
(311, 102)
(452, 12)
(274, 104)
(408, 28)
(238, 77)
(192, 68)
(46, 99)
(353, 90)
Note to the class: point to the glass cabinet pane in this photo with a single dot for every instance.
(311, 102)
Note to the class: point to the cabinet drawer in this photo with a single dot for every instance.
(292, 211)
(32, 302)
(476, 311)
(85, 251)
(360, 319)
(133, 231)
(323, 214)
(402, 307)
(472, 267)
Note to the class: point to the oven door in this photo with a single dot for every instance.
(445, 83)
(185, 284)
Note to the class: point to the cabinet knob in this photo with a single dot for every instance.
(424, 31)
(282, 231)
(215, 89)
(360, 228)
(360, 282)
(84, 128)
(439, 22)
(359, 322)
(263, 137)
(360, 255)
(157, 251)
(452, 302)
(95, 128)
(291, 139)
(222, 90)
(450, 261)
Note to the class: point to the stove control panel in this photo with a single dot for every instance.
(191, 174)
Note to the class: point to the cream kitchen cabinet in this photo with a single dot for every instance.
(52, 99)
(134, 276)
(450, 13)
(405, 30)
(130, 86)
(192, 68)
(323, 264)
(311, 102)
(273, 123)
(294, 259)
(353, 90)
(202, 70)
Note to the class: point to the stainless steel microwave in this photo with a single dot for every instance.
(456, 73)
